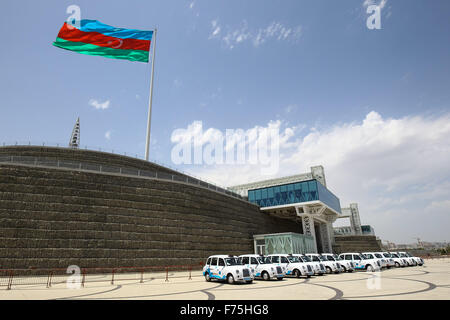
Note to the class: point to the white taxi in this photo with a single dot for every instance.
(360, 262)
(318, 267)
(330, 266)
(291, 265)
(223, 267)
(261, 267)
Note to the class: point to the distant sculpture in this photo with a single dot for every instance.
(75, 137)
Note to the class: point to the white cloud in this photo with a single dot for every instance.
(381, 3)
(396, 169)
(277, 31)
(99, 105)
(274, 31)
(290, 108)
(215, 29)
(108, 135)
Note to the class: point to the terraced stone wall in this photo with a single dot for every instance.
(53, 218)
(356, 244)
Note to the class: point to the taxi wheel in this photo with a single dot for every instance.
(397, 264)
(230, 279)
(329, 271)
(265, 276)
(369, 268)
(249, 281)
(344, 269)
(279, 279)
(297, 273)
(207, 277)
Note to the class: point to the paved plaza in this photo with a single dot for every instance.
(431, 281)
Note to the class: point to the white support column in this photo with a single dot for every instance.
(331, 235)
(325, 237)
(354, 219)
(308, 228)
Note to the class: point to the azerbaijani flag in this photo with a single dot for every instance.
(98, 39)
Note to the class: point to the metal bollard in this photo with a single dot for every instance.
(112, 279)
(142, 276)
(49, 279)
(167, 274)
(84, 278)
(190, 271)
(10, 280)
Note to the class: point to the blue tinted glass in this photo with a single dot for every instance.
(291, 196)
(298, 195)
(294, 193)
(305, 187)
(264, 194)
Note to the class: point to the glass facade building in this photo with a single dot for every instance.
(305, 191)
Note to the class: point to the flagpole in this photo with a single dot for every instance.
(149, 120)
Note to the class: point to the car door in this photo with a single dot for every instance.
(358, 261)
(255, 266)
(284, 262)
(276, 260)
(213, 267)
(220, 268)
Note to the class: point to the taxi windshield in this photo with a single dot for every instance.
(231, 262)
(293, 259)
(262, 260)
(367, 256)
(329, 258)
(306, 259)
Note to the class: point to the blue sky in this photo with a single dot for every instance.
(312, 65)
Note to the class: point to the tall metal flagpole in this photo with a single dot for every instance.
(147, 147)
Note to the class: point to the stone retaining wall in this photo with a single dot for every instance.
(53, 218)
(356, 244)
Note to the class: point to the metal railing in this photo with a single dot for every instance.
(52, 276)
(93, 167)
